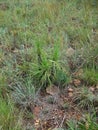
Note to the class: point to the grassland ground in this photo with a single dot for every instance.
(48, 64)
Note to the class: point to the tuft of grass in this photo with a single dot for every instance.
(49, 69)
(89, 123)
(23, 93)
(85, 98)
(72, 125)
(8, 117)
(90, 76)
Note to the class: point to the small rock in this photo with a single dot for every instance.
(52, 90)
(70, 90)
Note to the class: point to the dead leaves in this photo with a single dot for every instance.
(37, 123)
(36, 112)
(76, 82)
(70, 92)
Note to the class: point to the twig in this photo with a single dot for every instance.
(62, 121)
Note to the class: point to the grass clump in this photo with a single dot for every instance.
(90, 76)
(8, 118)
(85, 98)
(48, 69)
(89, 123)
(23, 93)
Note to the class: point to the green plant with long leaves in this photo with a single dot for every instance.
(48, 70)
